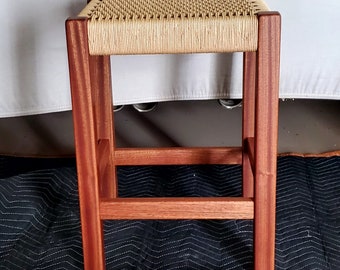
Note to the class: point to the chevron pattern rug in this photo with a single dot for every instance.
(40, 227)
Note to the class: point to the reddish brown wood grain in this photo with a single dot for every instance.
(250, 148)
(178, 156)
(266, 136)
(248, 119)
(85, 142)
(101, 90)
(177, 208)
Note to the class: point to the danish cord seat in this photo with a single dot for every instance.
(125, 27)
(180, 26)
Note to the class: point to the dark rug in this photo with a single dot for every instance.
(40, 227)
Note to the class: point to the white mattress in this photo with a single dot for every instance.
(34, 71)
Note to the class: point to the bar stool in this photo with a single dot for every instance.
(109, 27)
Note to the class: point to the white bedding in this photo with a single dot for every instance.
(34, 71)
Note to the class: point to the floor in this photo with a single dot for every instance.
(40, 223)
(305, 126)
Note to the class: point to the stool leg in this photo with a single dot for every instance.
(248, 119)
(266, 133)
(85, 142)
(100, 72)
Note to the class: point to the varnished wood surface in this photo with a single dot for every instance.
(248, 119)
(177, 208)
(101, 91)
(85, 142)
(178, 156)
(266, 136)
(250, 149)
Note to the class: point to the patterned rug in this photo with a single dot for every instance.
(40, 227)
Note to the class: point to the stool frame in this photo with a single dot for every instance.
(98, 157)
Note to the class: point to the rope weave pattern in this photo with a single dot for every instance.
(172, 26)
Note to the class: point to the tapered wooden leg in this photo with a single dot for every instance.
(266, 133)
(248, 119)
(86, 143)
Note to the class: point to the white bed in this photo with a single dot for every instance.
(34, 71)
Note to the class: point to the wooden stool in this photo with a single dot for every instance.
(108, 27)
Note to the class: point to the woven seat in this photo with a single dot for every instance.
(107, 27)
(177, 26)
